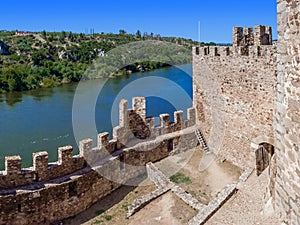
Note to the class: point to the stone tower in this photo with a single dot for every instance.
(245, 37)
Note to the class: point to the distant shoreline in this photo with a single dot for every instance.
(47, 59)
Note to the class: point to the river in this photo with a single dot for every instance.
(41, 119)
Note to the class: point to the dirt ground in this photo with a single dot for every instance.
(167, 209)
(205, 184)
(248, 206)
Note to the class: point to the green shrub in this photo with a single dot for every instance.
(97, 221)
(108, 217)
(50, 82)
(180, 178)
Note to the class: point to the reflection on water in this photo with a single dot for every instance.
(41, 119)
(13, 98)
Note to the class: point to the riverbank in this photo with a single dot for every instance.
(48, 59)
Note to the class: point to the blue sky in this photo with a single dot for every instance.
(165, 17)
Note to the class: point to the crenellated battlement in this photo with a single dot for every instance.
(227, 52)
(133, 123)
(247, 41)
(262, 35)
(243, 77)
(43, 193)
(42, 170)
(133, 127)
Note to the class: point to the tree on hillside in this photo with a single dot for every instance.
(138, 34)
(71, 36)
(62, 37)
(122, 32)
(38, 56)
(44, 33)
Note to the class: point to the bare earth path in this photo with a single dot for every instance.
(245, 208)
(166, 210)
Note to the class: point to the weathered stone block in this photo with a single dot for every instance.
(164, 123)
(103, 140)
(123, 113)
(13, 165)
(85, 146)
(65, 155)
(178, 120)
(40, 165)
(139, 106)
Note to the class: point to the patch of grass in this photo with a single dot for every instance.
(97, 221)
(125, 206)
(108, 217)
(180, 178)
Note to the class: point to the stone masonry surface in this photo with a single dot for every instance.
(234, 89)
(254, 87)
(49, 192)
(287, 114)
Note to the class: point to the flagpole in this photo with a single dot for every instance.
(199, 33)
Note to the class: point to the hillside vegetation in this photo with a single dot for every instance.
(48, 59)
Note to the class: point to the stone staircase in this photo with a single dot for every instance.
(201, 140)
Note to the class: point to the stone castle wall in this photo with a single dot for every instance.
(287, 116)
(259, 85)
(233, 95)
(48, 192)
